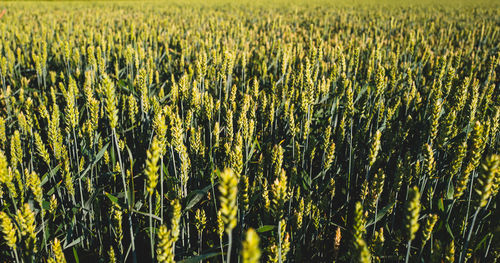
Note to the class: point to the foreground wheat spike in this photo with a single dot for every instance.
(359, 249)
(57, 250)
(176, 217)
(284, 240)
(477, 140)
(220, 225)
(200, 223)
(376, 188)
(9, 230)
(3, 136)
(336, 244)
(377, 245)
(374, 148)
(430, 163)
(457, 160)
(490, 170)
(53, 205)
(201, 220)
(244, 195)
(329, 157)
(280, 195)
(412, 212)
(68, 179)
(153, 155)
(228, 198)
(42, 151)
(279, 249)
(111, 108)
(35, 185)
(4, 172)
(361, 252)
(164, 246)
(410, 221)
(428, 227)
(16, 150)
(111, 255)
(251, 251)
(359, 221)
(26, 219)
(117, 215)
(450, 252)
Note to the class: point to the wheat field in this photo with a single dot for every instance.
(249, 131)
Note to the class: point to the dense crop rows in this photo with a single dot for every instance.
(249, 132)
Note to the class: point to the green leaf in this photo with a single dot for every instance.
(112, 155)
(199, 258)
(482, 241)
(450, 191)
(45, 205)
(380, 214)
(147, 214)
(252, 150)
(45, 177)
(52, 190)
(89, 201)
(77, 260)
(449, 230)
(113, 198)
(100, 154)
(195, 196)
(441, 205)
(75, 242)
(265, 228)
(97, 158)
(306, 180)
(194, 200)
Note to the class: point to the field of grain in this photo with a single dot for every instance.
(248, 131)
